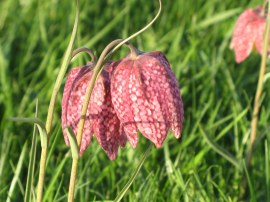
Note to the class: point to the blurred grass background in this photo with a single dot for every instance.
(217, 94)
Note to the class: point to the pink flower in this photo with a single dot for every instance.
(248, 33)
(146, 97)
(100, 118)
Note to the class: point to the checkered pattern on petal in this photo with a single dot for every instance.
(248, 33)
(146, 97)
(100, 117)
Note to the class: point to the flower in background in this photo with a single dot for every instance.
(100, 119)
(248, 33)
(146, 97)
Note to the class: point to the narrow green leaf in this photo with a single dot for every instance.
(217, 18)
(130, 181)
(17, 173)
(267, 171)
(168, 162)
(222, 194)
(40, 125)
(220, 150)
(266, 77)
(251, 189)
(202, 188)
(63, 68)
(59, 188)
(229, 126)
(73, 142)
(181, 183)
(31, 166)
(51, 187)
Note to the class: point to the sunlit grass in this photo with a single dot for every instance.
(217, 94)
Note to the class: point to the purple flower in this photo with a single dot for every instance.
(248, 33)
(100, 120)
(146, 97)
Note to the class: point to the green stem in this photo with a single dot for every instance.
(43, 157)
(62, 72)
(72, 180)
(88, 51)
(30, 174)
(56, 88)
(90, 87)
(96, 71)
(105, 55)
(140, 31)
(259, 90)
(88, 93)
(130, 181)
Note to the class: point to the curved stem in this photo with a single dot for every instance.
(91, 87)
(83, 114)
(56, 88)
(140, 31)
(134, 175)
(105, 55)
(62, 72)
(88, 51)
(133, 51)
(259, 90)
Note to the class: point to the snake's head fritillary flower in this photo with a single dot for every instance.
(101, 118)
(146, 97)
(248, 33)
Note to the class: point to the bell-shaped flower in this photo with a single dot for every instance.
(100, 119)
(146, 97)
(248, 33)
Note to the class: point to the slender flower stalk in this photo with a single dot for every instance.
(101, 119)
(88, 93)
(86, 50)
(259, 90)
(105, 55)
(51, 108)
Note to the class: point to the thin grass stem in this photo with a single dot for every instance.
(254, 121)
(51, 108)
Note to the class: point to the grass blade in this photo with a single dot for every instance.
(31, 166)
(230, 125)
(217, 18)
(17, 173)
(267, 171)
(251, 189)
(73, 142)
(130, 181)
(53, 181)
(40, 125)
(220, 150)
(62, 71)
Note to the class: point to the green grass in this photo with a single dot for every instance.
(217, 93)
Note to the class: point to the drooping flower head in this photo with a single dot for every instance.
(248, 33)
(146, 97)
(101, 119)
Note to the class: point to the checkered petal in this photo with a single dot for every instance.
(146, 97)
(72, 103)
(248, 33)
(101, 119)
